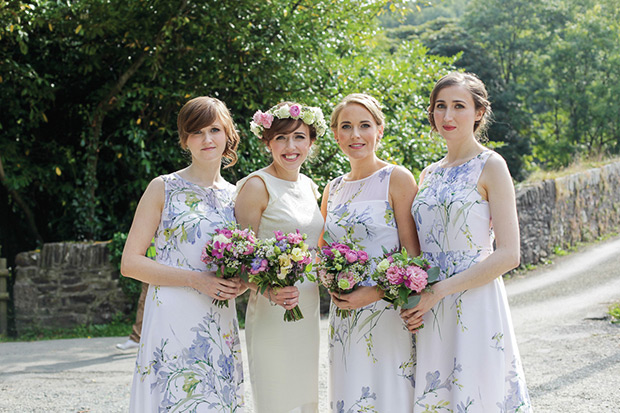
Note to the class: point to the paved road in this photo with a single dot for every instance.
(570, 351)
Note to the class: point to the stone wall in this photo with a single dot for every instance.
(567, 210)
(66, 285)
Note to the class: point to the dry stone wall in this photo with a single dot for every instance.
(567, 210)
(66, 285)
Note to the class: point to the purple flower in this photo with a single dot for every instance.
(258, 265)
(279, 235)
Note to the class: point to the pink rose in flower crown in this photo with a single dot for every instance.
(295, 111)
(257, 118)
(267, 119)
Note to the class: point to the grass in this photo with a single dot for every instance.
(119, 326)
(579, 165)
(614, 313)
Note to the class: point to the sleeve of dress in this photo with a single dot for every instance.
(315, 189)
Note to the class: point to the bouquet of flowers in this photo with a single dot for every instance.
(341, 267)
(281, 262)
(230, 249)
(401, 277)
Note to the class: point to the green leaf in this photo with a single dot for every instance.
(433, 275)
(412, 301)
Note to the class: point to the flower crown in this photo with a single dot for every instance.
(311, 116)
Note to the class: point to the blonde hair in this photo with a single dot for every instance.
(203, 111)
(367, 101)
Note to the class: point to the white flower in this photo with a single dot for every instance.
(308, 117)
(283, 112)
(221, 239)
(383, 265)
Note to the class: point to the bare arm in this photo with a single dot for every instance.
(324, 213)
(136, 265)
(496, 183)
(403, 189)
(251, 202)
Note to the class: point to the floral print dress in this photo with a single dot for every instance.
(370, 351)
(189, 358)
(467, 356)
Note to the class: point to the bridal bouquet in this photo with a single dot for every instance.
(341, 267)
(281, 262)
(230, 250)
(401, 277)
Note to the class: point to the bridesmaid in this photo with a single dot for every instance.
(190, 354)
(466, 198)
(283, 356)
(371, 355)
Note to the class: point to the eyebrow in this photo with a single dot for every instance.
(361, 121)
(455, 100)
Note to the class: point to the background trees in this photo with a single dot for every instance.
(90, 91)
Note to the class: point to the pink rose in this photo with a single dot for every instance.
(295, 111)
(343, 249)
(394, 275)
(416, 278)
(351, 256)
(258, 117)
(279, 235)
(363, 256)
(266, 120)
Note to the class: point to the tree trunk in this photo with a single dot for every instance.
(32, 226)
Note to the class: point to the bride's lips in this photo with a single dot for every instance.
(356, 145)
(291, 157)
(449, 127)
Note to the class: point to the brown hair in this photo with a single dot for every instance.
(478, 92)
(286, 125)
(203, 111)
(367, 101)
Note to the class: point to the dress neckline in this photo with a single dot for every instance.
(368, 177)
(464, 163)
(176, 174)
(263, 171)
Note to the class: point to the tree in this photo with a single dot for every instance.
(91, 89)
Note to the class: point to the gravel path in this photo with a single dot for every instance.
(570, 350)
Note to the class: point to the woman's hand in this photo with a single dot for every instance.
(218, 288)
(287, 297)
(413, 317)
(358, 298)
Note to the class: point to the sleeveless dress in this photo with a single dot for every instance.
(467, 356)
(190, 354)
(370, 352)
(283, 356)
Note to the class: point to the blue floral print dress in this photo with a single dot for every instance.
(189, 358)
(467, 356)
(371, 353)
